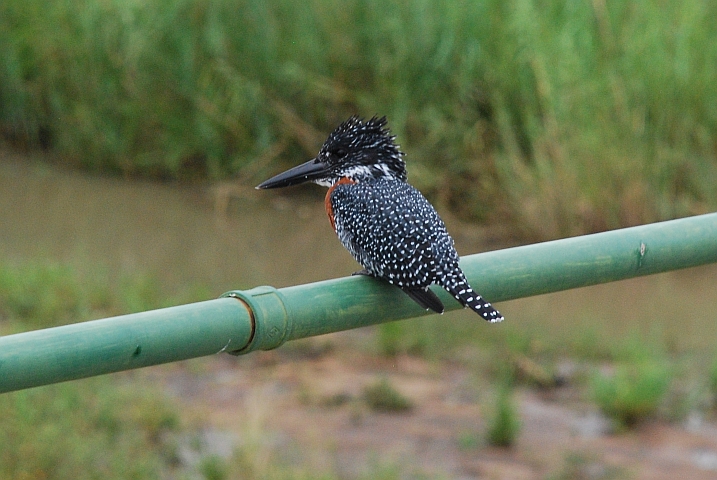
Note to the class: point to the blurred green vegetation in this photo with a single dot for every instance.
(554, 118)
(503, 423)
(91, 429)
(633, 392)
(382, 396)
(104, 427)
(581, 465)
(42, 294)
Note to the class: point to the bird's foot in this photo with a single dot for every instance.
(362, 272)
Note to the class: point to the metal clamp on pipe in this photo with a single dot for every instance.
(269, 318)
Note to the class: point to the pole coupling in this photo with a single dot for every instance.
(269, 319)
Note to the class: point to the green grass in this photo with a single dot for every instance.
(555, 118)
(214, 467)
(712, 383)
(413, 337)
(383, 397)
(85, 430)
(101, 427)
(41, 295)
(638, 383)
(37, 294)
(632, 393)
(112, 426)
(504, 421)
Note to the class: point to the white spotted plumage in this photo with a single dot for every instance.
(396, 234)
(387, 225)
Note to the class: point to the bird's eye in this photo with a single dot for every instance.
(339, 152)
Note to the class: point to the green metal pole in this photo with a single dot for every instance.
(347, 303)
(112, 344)
(264, 317)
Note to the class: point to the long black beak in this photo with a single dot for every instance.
(305, 172)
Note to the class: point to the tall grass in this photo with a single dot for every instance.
(561, 117)
(611, 113)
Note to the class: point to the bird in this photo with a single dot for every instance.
(386, 224)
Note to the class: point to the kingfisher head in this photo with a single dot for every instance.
(356, 150)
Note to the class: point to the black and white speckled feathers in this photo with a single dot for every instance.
(386, 224)
(391, 229)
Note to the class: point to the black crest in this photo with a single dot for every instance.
(365, 148)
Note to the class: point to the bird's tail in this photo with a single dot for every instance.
(457, 285)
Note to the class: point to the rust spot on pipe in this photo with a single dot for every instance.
(252, 319)
(641, 254)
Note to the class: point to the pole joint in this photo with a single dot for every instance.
(270, 321)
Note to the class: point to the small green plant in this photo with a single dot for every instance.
(633, 392)
(504, 426)
(213, 467)
(382, 396)
(713, 383)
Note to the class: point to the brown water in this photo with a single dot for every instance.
(185, 235)
(176, 233)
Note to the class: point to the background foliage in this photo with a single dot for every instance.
(562, 117)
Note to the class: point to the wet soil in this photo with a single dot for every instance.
(309, 408)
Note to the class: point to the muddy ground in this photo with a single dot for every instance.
(306, 407)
